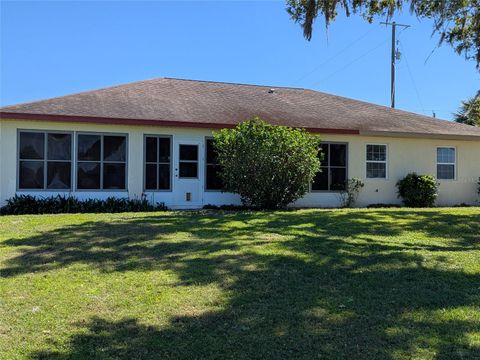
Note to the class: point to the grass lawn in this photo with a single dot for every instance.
(308, 284)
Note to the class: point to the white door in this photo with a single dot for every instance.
(188, 173)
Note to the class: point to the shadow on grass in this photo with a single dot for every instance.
(330, 287)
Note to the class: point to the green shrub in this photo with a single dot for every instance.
(268, 166)
(349, 196)
(418, 190)
(27, 204)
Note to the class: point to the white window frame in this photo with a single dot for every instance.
(377, 162)
(347, 154)
(157, 163)
(46, 161)
(101, 161)
(444, 163)
(189, 161)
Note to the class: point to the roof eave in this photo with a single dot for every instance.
(398, 134)
(148, 122)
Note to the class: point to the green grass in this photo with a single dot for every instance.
(326, 284)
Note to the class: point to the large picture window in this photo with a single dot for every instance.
(333, 174)
(212, 178)
(158, 162)
(44, 160)
(101, 162)
(377, 161)
(446, 162)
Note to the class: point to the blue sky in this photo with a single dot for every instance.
(56, 48)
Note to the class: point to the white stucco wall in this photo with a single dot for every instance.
(404, 155)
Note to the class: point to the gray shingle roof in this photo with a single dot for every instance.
(191, 102)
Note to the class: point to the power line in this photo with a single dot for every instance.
(412, 78)
(333, 57)
(351, 62)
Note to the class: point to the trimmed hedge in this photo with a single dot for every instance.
(27, 204)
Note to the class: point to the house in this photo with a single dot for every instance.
(153, 137)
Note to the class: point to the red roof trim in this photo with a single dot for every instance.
(125, 121)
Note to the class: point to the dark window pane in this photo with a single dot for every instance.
(113, 176)
(320, 181)
(89, 147)
(214, 182)
(164, 177)
(31, 175)
(32, 145)
(188, 170)
(338, 155)
(114, 148)
(324, 150)
(151, 149)
(164, 149)
(338, 178)
(59, 146)
(58, 175)
(211, 153)
(446, 172)
(88, 176)
(446, 155)
(376, 170)
(151, 176)
(377, 152)
(188, 152)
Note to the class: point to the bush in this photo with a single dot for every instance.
(268, 166)
(27, 204)
(418, 190)
(349, 196)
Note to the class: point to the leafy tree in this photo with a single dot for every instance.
(268, 166)
(456, 21)
(469, 112)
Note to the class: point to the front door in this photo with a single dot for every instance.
(187, 185)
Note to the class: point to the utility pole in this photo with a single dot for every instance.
(394, 53)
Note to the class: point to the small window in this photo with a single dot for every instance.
(188, 161)
(45, 161)
(377, 161)
(333, 168)
(212, 178)
(446, 162)
(157, 162)
(101, 162)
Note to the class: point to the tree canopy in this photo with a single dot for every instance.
(456, 21)
(469, 112)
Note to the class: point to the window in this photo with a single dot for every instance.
(101, 162)
(376, 161)
(188, 161)
(45, 160)
(446, 159)
(158, 163)
(333, 174)
(212, 178)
